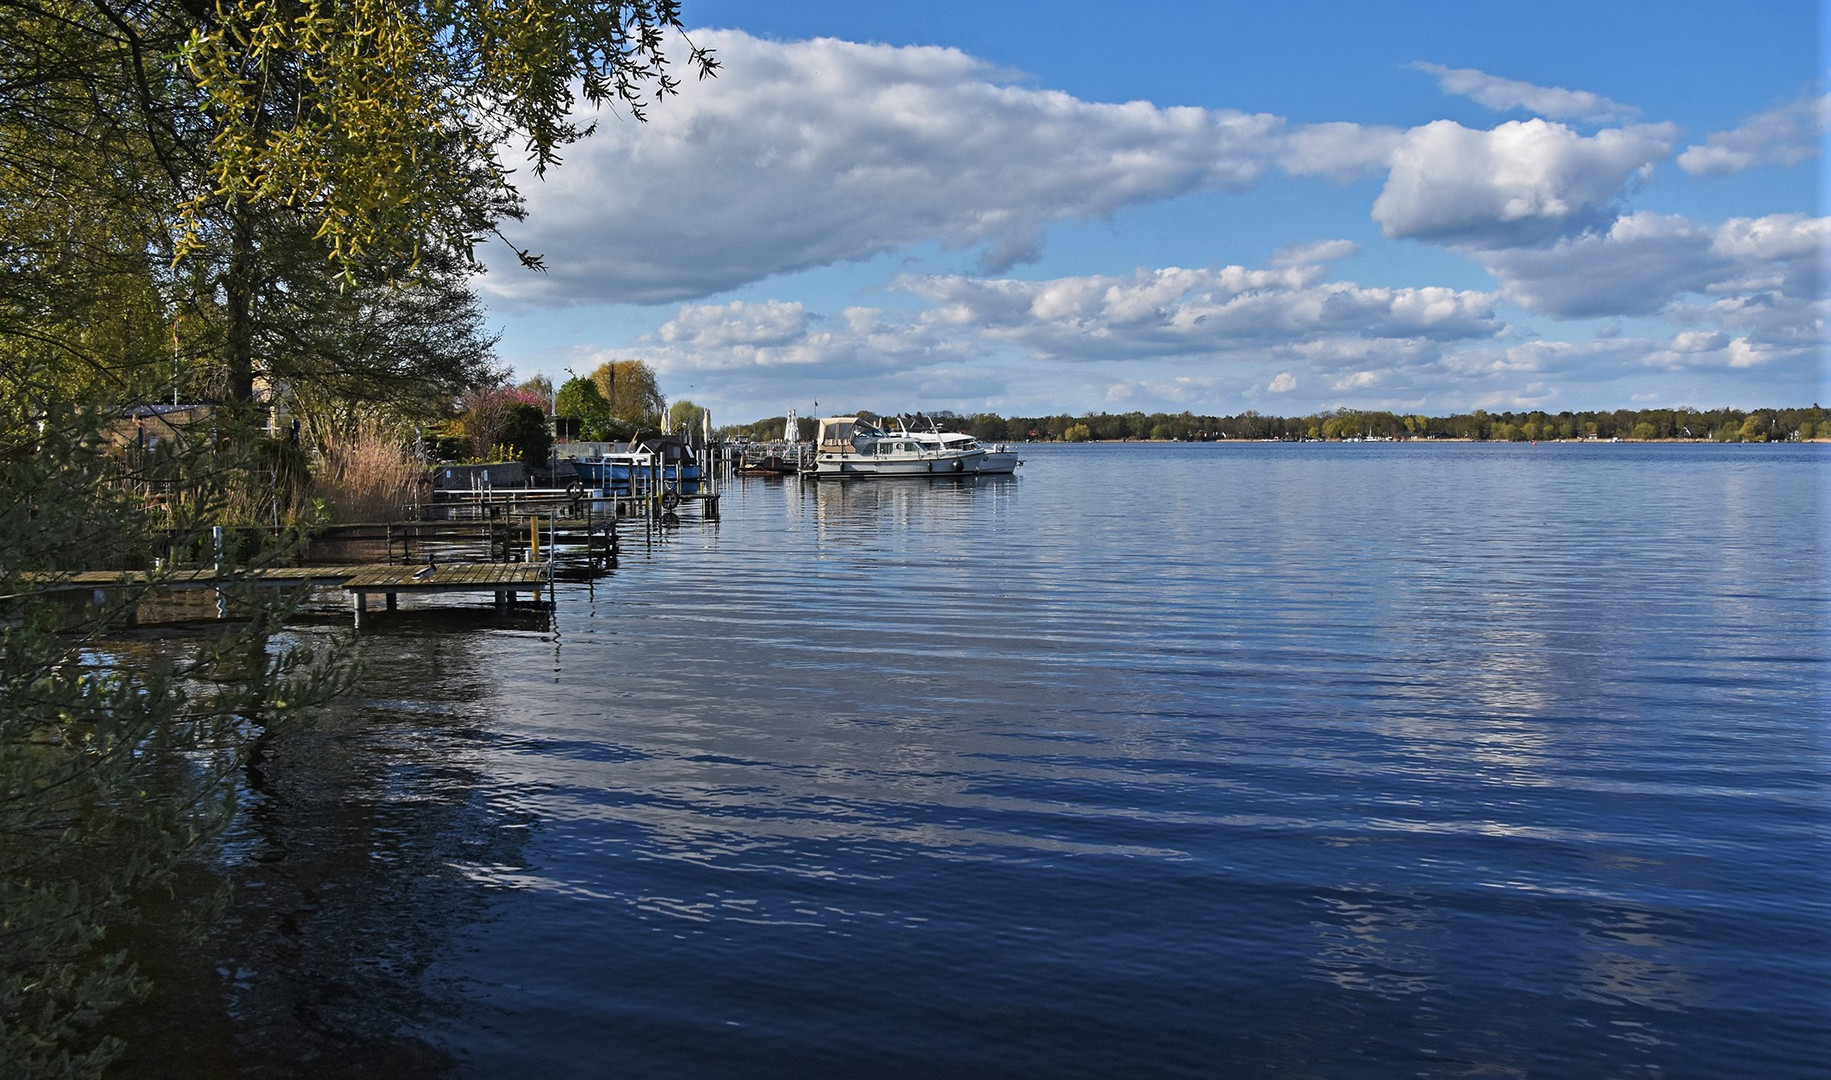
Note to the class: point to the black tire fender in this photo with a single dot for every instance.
(670, 499)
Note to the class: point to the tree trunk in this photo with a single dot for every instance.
(238, 296)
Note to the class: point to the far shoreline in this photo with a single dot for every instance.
(1429, 441)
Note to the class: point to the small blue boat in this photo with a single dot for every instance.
(651, 459)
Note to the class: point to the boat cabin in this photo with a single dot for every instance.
(671, 448)
(837, 433)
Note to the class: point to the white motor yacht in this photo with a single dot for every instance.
(850, 446)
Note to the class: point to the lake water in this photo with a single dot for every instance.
(1380, 760)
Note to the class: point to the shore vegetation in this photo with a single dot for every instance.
(238, 242)
(1684, 423)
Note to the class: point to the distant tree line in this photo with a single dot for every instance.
(1720, 425)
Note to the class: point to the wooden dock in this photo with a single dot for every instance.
(504, 579)
(390, 580)
(505, 542)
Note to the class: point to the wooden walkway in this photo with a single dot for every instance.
(505, 580)
(206, 578)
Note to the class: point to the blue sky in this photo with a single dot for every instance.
(1035, 208)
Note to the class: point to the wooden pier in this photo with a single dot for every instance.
(505, 542)
(505, 580)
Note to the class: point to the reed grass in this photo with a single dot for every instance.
(368, 472)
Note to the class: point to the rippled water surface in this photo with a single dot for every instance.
(1209, 760)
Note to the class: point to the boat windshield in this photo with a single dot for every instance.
(838, 432)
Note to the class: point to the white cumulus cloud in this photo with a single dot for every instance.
(1183, 312)
(1185, 335)
(1784, 136)
(1503, 95)
(1314, 254)
(1646, 263)
(769, 323)
(777, 334)
(1522, 182)
(1339, 150)
(808, 153)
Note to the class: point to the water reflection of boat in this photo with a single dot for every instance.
(849, 446)
(651, 459)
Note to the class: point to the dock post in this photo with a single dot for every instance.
(222, 598)
(359, 606)
(533, 538)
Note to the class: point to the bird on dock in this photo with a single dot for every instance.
(431, 568)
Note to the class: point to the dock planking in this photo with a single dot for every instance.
(360, 581)
(205, 578)
(449, 577)
(504, 579)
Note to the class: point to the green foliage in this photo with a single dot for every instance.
(487, 417)
(630, 388)
(580, 399)
(379, 121)
(118, 756)
(182, 170)
(174, 174)
(684, 416)
(1077, 433)
(404, 340)
(446, 441)
(526, 434)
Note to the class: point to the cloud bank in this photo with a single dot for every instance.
(809, 153)
(1741, 295)
(814, 153)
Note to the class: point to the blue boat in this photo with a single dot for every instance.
(649, 459)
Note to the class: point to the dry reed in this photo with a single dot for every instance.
(368, 473)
